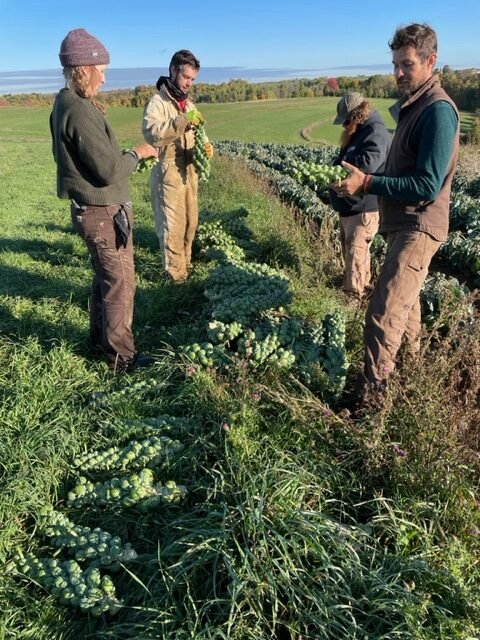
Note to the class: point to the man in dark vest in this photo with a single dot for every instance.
(414, 195)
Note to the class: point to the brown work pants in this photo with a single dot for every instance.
(393, 312)
(174, 200)
(113, 285)
(356, 236)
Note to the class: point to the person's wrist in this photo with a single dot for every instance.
(366, 182)
(133, 153)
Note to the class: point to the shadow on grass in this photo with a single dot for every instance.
(145, 238)
(51, 226)
(170, 313)
(38, 306)
(274, 251)
(40, 303)
(30, 323)
(55, 253)
(20, 283)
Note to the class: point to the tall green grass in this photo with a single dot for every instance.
(299, 522)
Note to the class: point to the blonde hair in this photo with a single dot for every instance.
(82, 83)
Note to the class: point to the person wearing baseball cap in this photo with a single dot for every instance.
(364, 142)
(93, 172)
(346, 105)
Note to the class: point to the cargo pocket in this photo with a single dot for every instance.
(418, 260)
(370, 224)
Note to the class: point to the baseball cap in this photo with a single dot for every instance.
(346, 105)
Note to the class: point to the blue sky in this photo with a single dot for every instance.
(297, 34)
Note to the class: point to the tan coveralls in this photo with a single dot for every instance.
(173, 181)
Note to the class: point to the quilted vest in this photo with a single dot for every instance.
(428, 216)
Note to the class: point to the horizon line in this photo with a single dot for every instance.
(246, 68)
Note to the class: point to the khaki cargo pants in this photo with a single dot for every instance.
(393, 313)
(356, 235)
(174, 200)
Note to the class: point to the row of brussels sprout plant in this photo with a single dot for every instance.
(301, 176)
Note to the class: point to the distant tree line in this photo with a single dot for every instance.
(463, 87)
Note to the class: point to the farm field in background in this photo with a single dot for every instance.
(263, 121)
(276, 121)
(298, 522)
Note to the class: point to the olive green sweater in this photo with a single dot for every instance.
(91, 167)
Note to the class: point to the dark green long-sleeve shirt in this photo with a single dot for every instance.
(417, 179)
(91, 167)
(434, 136)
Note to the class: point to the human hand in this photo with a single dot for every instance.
(352, 184)
(209, 150)
(146, 150)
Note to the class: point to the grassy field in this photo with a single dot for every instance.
(299, 523)
(264, 121)
(292, 121)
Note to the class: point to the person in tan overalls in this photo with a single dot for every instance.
(173, 181)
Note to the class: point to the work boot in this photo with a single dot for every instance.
(127, 366)
(141, 362)
(368, 397)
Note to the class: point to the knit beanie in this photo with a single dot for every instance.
(80, 48)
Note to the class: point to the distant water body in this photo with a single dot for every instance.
(51, 80)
